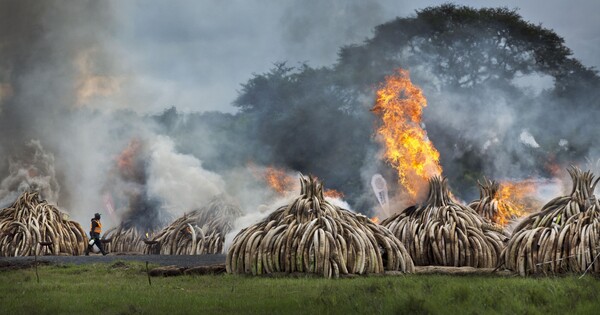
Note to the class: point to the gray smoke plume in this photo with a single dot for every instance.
(42, 45)
(501, 104)
(62, 84)
(32, 169)
(179, 179)
(84, 78)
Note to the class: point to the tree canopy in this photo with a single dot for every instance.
(470, 63)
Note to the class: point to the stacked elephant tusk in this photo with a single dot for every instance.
(124, 239)
(497, 211)
(443, 232)
(199, 232)
(563, 236)
(311, 235)
(30, 221)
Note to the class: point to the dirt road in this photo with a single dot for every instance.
(165, 260)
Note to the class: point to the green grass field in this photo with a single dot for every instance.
(122, 288)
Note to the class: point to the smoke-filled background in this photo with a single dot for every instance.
(143, 110)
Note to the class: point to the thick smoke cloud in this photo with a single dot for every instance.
(194, 54)
(84, 78)
(65, 118)
(179, 179)
(40, 44)
(501, 104)
(30, 169)
(483, 119)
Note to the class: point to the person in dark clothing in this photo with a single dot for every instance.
(95, 230)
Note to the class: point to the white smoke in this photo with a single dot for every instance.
(253, 214)
(563, 143)
(31, 170)
(179, 179)
(258, 200)
(526, 138)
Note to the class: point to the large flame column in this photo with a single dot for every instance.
(400, 106)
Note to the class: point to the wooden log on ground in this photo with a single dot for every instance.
(458, 271)
(166, 271)
(206, 270)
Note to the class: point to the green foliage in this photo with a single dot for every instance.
(122, 288)
(465, 47)
(301, 118)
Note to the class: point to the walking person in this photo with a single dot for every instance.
(95, 230)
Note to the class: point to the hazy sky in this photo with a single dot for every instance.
(195, 54)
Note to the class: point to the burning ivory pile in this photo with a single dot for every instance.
(29, 224)
(442, 232)
(125, 238)
(198, 232)
(564, 236)
(312, 235)
(489, 206)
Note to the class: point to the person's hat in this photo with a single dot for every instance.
(97, 215)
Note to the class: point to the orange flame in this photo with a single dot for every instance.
(279, 180)
(91, 86)
(513, 200)
(127, 157)
(127, 161)
(6, 91)
(332, 193)
(375, 220)
(400, 105)
(553, 167)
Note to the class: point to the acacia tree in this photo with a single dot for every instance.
(464, 47)
(473, 59)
